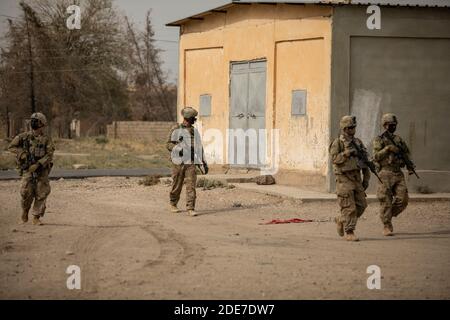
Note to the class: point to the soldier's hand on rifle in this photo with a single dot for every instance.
(350, 152)
(393, 148)
(34, 167)
(411, 170)
(23, 156)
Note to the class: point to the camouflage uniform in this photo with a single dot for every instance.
(349, 186)
(185, 169)
(35, 185)
(393, 192)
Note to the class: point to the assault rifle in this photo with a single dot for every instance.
(409, 164)
(30, 160)
(363, 157)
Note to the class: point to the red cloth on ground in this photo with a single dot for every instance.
(295, 220)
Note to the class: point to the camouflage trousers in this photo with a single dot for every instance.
(179, 173)
(351, 198)
(35, 190)
(392, 194)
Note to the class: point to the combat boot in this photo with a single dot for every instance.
(340, 227)
(192, 212)
(388, 230)
(24, 217)
(350, 236)
(174, 209)
(36, 221)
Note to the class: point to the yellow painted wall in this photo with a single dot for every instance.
(305, 138)
(204, 74)
(296, 42)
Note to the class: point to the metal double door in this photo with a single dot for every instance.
(247, 114)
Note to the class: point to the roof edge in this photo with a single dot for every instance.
(200, 15)
(392, 3)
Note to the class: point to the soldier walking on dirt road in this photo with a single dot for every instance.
(391, 154)
(350, 188)
(34, 151)
(186, 149)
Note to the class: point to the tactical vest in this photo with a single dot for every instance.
(350, 164)
(391, 161)
(35, 146)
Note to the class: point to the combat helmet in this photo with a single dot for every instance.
(347, 121)
(388, 118)
(39, 116)
(189, 113)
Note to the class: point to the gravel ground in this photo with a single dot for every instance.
(128, 246)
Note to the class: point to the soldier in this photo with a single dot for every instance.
(347, 168)
(391, 154)
(186, 149)
(34, 151)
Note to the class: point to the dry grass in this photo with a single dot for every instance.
(150, 180)
(101, 153)
(7, 160)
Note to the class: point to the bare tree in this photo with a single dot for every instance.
(152, 95)
(76, 71)
(105, 71)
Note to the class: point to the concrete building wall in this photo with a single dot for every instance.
(295, 41)
(401, 68)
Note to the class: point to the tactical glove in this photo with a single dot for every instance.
(393, 148)
(349, 152)
(23, 156)
(34, 167)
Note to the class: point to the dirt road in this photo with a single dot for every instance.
(129, 246)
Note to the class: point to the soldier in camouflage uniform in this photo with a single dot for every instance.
(186, 149)
(392, 193)
(34, 151)
(349, 186)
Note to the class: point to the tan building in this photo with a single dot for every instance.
(298, 67)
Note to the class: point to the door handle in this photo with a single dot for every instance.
(240, 115)
(251, 115)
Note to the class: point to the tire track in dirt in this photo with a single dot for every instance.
(86, 247)
(103, 252)
(175, 249)
(152, 271)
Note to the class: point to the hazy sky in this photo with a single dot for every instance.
(163, 11)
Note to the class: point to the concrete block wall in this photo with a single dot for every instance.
(140, 130)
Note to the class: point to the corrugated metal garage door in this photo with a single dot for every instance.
(410, 77)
